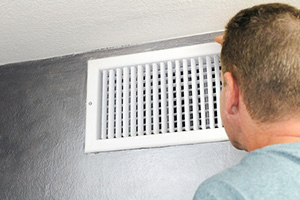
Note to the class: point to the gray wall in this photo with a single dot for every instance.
(42, 124)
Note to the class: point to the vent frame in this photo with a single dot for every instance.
(93, 141)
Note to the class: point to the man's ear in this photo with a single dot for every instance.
(231, 93)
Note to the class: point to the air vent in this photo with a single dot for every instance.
(151, 99)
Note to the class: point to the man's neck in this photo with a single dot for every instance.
(286, 131)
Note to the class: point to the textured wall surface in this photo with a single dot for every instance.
(42, 106)
(31, 30)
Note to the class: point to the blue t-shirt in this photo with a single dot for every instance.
(272, 172)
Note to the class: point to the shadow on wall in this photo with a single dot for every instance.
(42, 105)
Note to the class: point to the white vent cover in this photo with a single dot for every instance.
(151, 99)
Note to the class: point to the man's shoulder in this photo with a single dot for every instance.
(272, 162)
(228, 184)
(220, 187)
(263, 173)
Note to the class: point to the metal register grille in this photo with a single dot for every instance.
(166, 97)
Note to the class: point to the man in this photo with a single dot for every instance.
(260, 105)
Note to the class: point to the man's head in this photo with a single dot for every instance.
(261, 52)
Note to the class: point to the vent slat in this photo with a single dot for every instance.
(104, 105)
(119, 103)
(163, 98)
(210, 92)
(155, 99)
(186, 95)
(170, 97)
(111, 103)
(195, 95)
(140, 100)
(201, 79)
(133, 102)
(125, 106)
(148, 100)
(178, 96)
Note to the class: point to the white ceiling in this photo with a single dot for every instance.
(31, 30)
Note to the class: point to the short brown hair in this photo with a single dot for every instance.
(262, 50)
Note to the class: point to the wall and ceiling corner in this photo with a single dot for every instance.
(31, 30)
